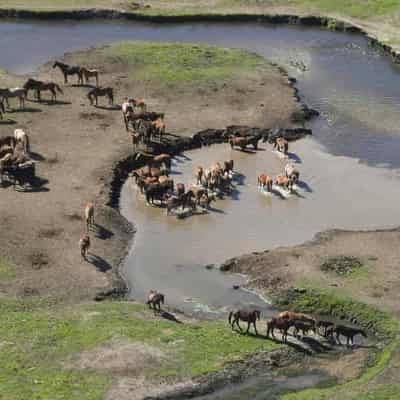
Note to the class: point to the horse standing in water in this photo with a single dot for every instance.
(154, 300)
(248, 316)
(69, 70)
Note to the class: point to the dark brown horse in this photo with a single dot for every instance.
(248, 316)
(283, 324)
(243, 142)
(155, 299)
(69, 70)
(39, 86)
(346, 331)
(97, 92)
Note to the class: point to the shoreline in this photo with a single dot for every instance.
(325, 22)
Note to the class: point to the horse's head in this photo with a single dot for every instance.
(55, 64)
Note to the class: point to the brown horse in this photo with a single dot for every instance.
(138, 103)
(283, 324)
(154, 300)
(248, 316)
(39, 86)
(84, 245)
(163, 158)
(265, 181)
(243, 142)
(281, 144)
(284, 182)
(89, 215)
(228, 166)
(198, 173)
(97, 92)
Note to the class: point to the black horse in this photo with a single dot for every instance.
(97, 92)
(348, 332)
(155, 299)
(69, 70)
(39, 86)
(248, 316)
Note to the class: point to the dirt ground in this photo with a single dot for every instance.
(377, 283)
(76, 146)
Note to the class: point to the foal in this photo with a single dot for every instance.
(89, 215)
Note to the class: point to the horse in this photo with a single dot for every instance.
(302, 326)
(8, 141)
(84, 245)
(182, 200)
(198, 173)
(158, 127)
(162, 159)
(228, 166)
(155, 299)
(69, 70)
(292, 315)
(281, 144)
(325, 325)
(284, 182)
(89, 215)
(22, 137)
(8, 93)
(39, 86)
(345, 331)
(248, 316)
(180, 189)
(90, 73)
(205, 200)
(283, 324)
(243, 142)
(97, 92)
(138, 103)
(127, 112)
(292, 173)
(265, 181)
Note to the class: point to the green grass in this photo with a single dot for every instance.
(37, 338)
(182, 63)
(7, 269)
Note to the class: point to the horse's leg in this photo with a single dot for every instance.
(65, 77)
(248, 326)
(255, 327)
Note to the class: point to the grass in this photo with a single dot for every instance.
(384, 328)
(182, 63)
(37, 338)
(7, 270)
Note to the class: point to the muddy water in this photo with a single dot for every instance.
(170, 254)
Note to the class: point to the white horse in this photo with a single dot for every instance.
(292, 173)
(14, 92)
(22, 137)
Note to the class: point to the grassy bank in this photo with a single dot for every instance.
(380, 18)
(377, 322)
(39, 341)
(181, 63)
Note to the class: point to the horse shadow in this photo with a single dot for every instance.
(7, 122)
(36, 156)
(217, 210)
(23, 110)
(55, 102)
(234, 194)
(170, 317)
(100, 263)
(109, 108)
(304, 186)
(250, 334)
(315, 344)
(239, 178)
(294, 158)
(82, 85)
(102, 233)
(36, 186)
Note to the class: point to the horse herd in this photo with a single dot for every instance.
(154, 182)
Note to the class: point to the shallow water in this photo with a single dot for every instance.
(170, 254)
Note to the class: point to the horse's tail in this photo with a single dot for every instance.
(27, 144)
(230, 317)
(58, 88)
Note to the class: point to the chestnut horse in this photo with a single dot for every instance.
(154, 300)
(265, 181)
(283, 324)
(248, 316)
